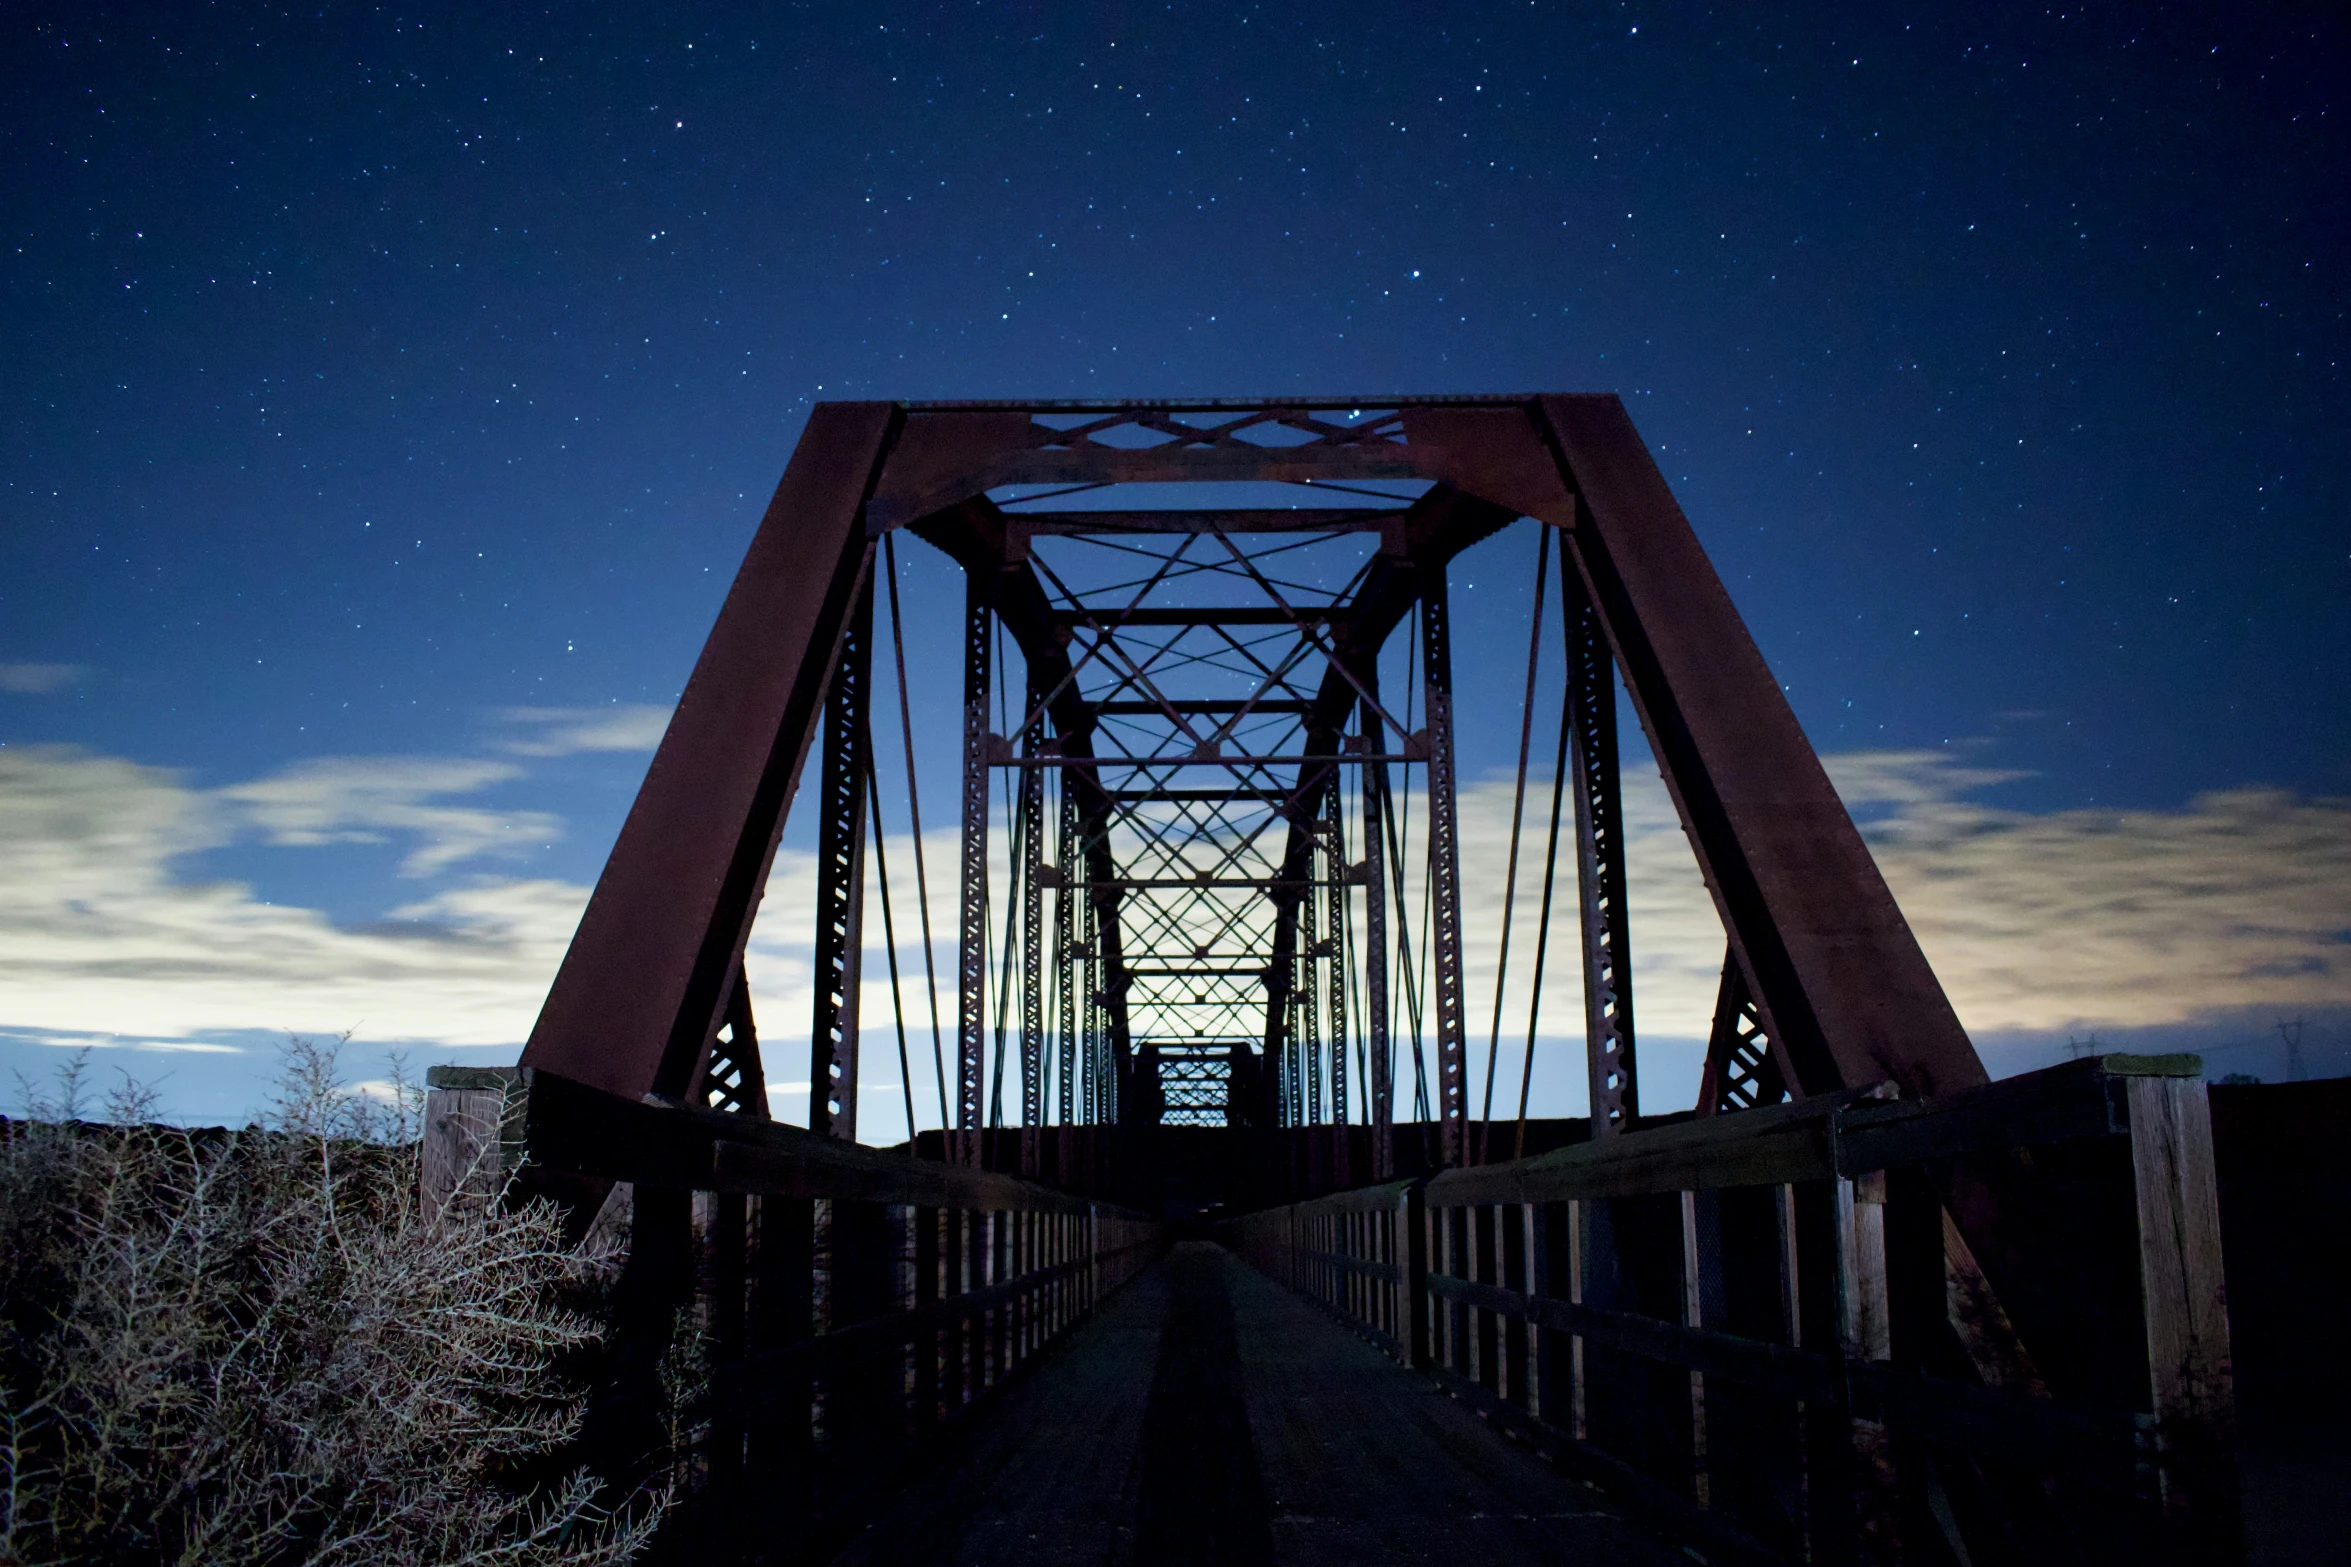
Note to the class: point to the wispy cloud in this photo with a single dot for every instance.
(567, 731)
(99, 933)
(38, 679)
(367, 799)
(2033, 920)
(2043, 921)
(2122, 918)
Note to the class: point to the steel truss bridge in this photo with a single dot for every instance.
(1859, 1304)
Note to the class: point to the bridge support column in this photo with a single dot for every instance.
(1444, 870)
(840, 890)
(972, 929)
(1381, 1110)
(1031, 878)
(1600, 868)
(1865, 1331)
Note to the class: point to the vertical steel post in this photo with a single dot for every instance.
(1335, 976)
(1306, 1036)
(1090, 1089)
(1032, 931)
(1375, 945)
(1600, 868)
(1281, 1023)
(1065, 979)
(1436, 631)
(840, 891)
(972, 949)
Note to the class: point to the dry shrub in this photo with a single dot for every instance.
(253, 1347)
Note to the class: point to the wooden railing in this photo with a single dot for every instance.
(1769, 1331)
(796, 1317)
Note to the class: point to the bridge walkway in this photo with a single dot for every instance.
(1207, 1416)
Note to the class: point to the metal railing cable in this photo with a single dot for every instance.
(1526, 1076)
(922, 887)
(1518, 808)
(881, 863)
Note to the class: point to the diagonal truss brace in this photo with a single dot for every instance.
(840, 881)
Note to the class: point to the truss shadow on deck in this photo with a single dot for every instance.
(1210, 1416)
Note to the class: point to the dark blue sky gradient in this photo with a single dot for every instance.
(361, 362)
(368, 370)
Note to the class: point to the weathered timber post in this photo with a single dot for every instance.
(1865, 1329)
(2185, 1298)
(472, 1133)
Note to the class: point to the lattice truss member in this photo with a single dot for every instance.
(1210, 860)
(1206, 937)
(1203, 808)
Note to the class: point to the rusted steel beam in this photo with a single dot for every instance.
(974, 533)
(1741, 1072)
(1335, 976)
(1066, 964)
(1276, 885)
(1113, 618)
(732, 1077)
(1839, 979)
(1262, 520)
(1185, 405)
(1375, 949)
(1324, 762)
(1444, 873)
(840, 881)
(1600, 865)
(1136, 709)
(1191, 796)
(644, 985)
(950, 454)
(1032, 938)
(971, 1011)
(1433, 527)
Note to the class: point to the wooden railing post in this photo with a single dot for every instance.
(726, 1239)
(778, 1424)
(1579, 1425)
(472, 1133)
(1414, 1262)
(1865, 1327)
(932, 1354)
(2186, 1302)
(1694, 1316)
(1538, 1284)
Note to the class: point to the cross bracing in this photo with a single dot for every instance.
(1194, 661)
(1208, 724)
(1209, 878)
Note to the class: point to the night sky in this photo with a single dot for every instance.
(390, 394)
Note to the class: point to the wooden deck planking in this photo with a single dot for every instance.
(1209, 1416)
(1367, 1462)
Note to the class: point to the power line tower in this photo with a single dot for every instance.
(2291, 1033)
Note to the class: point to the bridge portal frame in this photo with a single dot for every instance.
(1827, 969)
(1825, 992)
